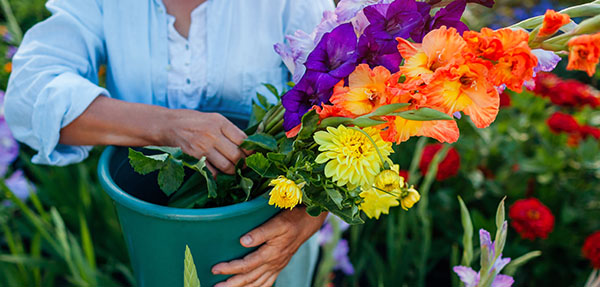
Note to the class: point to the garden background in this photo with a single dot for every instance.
(58, 228)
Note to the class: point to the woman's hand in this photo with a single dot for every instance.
(205, 134)
(280, 238)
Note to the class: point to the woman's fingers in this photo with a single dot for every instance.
(271, 281)
(219, 161)
(261, 234)
(263, 255)
(246, 279)
(233, 133)
(230, 150)
(262, 280)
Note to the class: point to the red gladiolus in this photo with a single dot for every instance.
(447, 168)
(591, 249)
(560, 122)
(531, 218)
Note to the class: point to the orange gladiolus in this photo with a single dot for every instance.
(440, 48)
(366, 91)
(514, 61)
(552, 22)
(465, 88)
(584, 53)
(398, 130)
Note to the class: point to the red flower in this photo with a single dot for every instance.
(587, 131)
(404, 173)
(447, 168)
(591, 249)
(560, 122)
(505, 99)
(531, 218)
(569, 93)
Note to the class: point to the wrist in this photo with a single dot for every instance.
(162, 126)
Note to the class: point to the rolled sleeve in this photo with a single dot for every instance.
(54, 79)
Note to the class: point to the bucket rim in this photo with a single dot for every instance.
(119, 196)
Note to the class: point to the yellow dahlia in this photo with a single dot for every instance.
(376, 202)
(409, 197)
(390, 180)
(285, 193)
(351, 157)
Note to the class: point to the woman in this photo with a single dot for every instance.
(177, 70)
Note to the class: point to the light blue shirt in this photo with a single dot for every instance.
(55, 72)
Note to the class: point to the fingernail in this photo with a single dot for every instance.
(247, 240)
(216, 271)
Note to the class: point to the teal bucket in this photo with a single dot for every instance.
(156, 235)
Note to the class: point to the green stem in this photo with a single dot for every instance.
(424, 213)
(383, 162)
(274, 119)
(589, 9)
(412, 172)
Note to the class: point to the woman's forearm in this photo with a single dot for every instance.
(113, 122)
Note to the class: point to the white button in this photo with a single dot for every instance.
(187, 46)
(188, 81)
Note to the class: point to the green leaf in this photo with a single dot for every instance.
(335, 196)
(273, 90)
(260, 140)
(190, 275)
(263, 101)
(276, 157)
(334, 122)
(512, 267)
(174, 151)
(258, 163)
(423, 114)
(246, 184)
(286, 146)
(366, 122)
(386, 110)
(144, 164)
(314, 210)
(211, 185)
(171, 176)
(258, 114)
(468, 234)
(309, 125)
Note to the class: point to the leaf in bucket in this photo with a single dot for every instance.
(260, 140)
(144, 164)
(190, 275)
(171, 176)
(174, 151)
(246, 184)
(211, 185)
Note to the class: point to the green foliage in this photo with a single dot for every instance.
(190, 276)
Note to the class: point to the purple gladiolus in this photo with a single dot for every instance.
(340, 254)
(10, 52)
(547, 60)
(335, 55)
(326, 232)
(471, 278)
(377, 45)
(448, 16)
(19, 185)
(310, 91)
(487, 3)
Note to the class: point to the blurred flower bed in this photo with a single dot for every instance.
(543, 154)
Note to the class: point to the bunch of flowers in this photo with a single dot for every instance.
(372, 73)
(531, 218)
